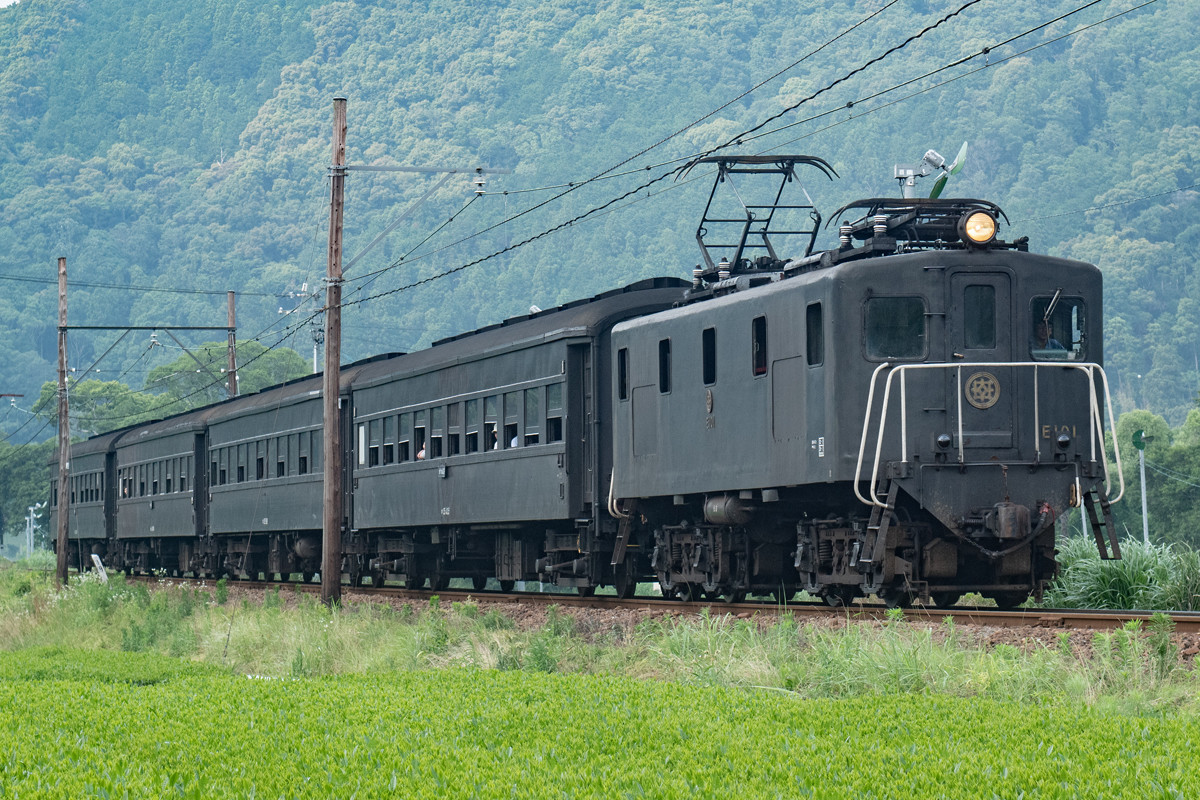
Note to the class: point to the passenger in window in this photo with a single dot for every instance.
(1042, 338)
(495, 440)
(513, 443)
(421, 453)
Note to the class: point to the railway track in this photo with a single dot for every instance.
(1064, 618)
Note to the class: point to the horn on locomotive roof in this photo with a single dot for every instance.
(930, 162)
(750, 225)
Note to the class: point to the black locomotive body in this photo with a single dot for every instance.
(889, 417)
(746, 422)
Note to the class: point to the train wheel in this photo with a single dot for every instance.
(507, 586)
(896, 598)
(308, 576)
(1007, 601)
(734, 597)
(624, 581)
(479, 582)
(945, 599)
(585, 591)
(688, 592)
(838, 596)
(378, 577)
(439, 582)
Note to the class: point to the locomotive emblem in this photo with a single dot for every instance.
(983, 390)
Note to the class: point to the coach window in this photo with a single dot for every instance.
(260, 460)
(623, 374)
(895, 328)
(664, 365)
(491, 422)
(758, 345)
(708, 342)
(814, 332)
(375, 428)
(533, 415)
(979, 317)
(317, 451)
(437, 428)
(403, 446)
(168, 479)
(554, 404)
(472, 412)
(281, 451)
(1058, 329)
(242, 457)
(302, 454)
(453, 429)
(389, 439)
(419, 435)
(185, 467)
(512, 419)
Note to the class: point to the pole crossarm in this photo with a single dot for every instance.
(452, 170)
(145, 328)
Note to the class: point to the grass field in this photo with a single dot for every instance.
(144, 725)
(114, 690)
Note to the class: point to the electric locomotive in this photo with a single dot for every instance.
(880, 418)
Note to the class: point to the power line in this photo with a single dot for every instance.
(646, 185)
(576, 185)
(131, 287)
(1173, 475)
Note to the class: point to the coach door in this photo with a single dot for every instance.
(980, 326)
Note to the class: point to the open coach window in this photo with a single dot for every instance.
(895, 327)
(1058, 326)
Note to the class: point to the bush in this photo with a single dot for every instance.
(1146, 577)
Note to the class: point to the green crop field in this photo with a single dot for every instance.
(86, 724)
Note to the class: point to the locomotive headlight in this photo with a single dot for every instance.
(1064, 441)
(977, 228)
(944, 441)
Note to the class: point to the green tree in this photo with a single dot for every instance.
(195, 384)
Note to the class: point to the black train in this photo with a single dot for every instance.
(888, 417)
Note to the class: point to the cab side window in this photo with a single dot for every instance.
(1058, 329)
(895, 328)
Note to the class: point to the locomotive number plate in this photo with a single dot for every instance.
(983, 390)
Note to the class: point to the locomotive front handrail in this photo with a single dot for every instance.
(1095, 417)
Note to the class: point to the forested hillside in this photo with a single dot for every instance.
(183, 147)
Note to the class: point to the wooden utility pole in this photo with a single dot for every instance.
(331, 529)
(64, 428)
(231, 372)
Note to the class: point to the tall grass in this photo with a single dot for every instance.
(1162, 577)
(290, 633)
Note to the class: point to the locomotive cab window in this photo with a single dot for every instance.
(664, 365)
(979, 317)
(708, 345)
(814, 333)
(758, 346)
(1058, 329)
(623, 374)
(895, 328)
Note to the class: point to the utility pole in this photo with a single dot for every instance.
(232, 370)
(331, 529)
(64, 431)
(1139, 441)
